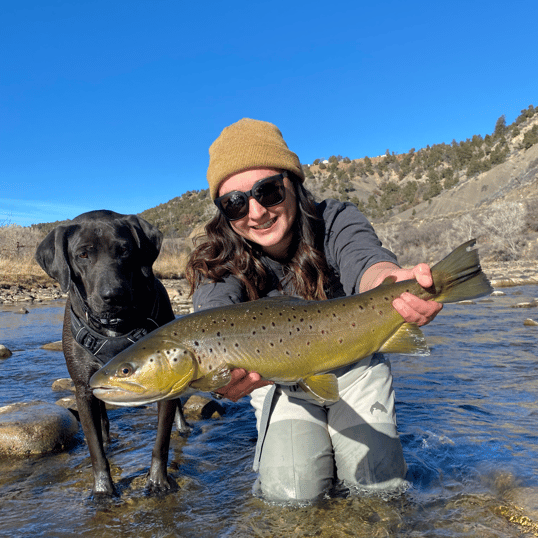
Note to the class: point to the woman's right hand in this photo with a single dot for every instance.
(242, 384)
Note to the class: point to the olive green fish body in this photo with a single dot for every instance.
(284, 339)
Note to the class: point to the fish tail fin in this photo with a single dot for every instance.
(459, 277)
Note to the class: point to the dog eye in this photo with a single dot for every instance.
(83, 255)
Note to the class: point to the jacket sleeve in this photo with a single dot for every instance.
(213, 294)
(351, 244)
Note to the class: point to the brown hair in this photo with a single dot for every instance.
(224, 252)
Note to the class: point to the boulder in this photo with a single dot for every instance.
(33, 428)
(199, 407)
(64, 383)
(5, 353)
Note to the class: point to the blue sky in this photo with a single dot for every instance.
(114, 104)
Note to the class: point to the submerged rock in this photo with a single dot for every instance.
(53, 346)
(33, 428)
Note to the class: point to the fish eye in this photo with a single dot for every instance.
(125, 370)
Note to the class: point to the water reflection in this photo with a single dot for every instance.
(467, 415)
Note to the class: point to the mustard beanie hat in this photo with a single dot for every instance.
(249, 144)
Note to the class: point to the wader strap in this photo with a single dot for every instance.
(264, 423)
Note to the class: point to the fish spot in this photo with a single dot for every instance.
(341, 341)
(353, 324)
(263, 328)
(151, 360)
(287, 353)
(381, 312)
(271, 344)
(253, 333)
(273, 324)
(301, 320)
(308, 343)
(258, 351)
(174, 333)
(236, 344)
(232, 324)
(253, 317)
(210, 367)
(199, 360)
(386, 298)
(298, 329)
(196, 343)
(361, 307)
(218, 334)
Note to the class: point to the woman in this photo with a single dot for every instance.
(271, 238)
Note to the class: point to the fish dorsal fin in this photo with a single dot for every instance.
(323, 387)
(219, 377)
(281, 299)
(408, 339)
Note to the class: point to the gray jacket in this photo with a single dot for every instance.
(350, 245)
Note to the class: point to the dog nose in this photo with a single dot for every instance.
(113, 294)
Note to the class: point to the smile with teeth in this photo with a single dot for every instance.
(266, 225)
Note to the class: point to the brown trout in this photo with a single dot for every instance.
(284, 339)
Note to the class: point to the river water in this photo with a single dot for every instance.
(467, 414)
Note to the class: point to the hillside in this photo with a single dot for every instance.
(433, 181)
(433, 188)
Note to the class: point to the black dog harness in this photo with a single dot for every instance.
(106, 347)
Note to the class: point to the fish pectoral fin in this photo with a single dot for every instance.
(323, 387)
(219, 377)
(408, 339)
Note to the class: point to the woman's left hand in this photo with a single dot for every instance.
(410, 307)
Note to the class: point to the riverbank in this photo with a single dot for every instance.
(20, 295)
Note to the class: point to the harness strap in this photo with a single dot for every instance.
(106, 347)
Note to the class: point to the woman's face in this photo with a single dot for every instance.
(269, 227)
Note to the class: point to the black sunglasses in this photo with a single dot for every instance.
(267, 192)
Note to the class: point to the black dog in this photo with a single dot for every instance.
(104, 261)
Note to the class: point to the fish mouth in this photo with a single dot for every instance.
(125, 397)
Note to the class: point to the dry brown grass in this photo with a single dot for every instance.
(19, 268)
(17, 264)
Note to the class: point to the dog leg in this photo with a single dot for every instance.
(91, 421)
(182, 425)
(158, 479)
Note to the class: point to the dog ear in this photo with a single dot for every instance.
(149, 239)
(51, 255)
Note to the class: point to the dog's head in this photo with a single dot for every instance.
(106, 255)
